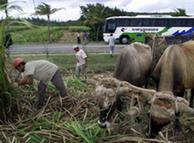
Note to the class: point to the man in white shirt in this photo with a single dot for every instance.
(43, 71)
(111, 44)
(81, 61)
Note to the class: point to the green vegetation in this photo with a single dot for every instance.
(78, 28)
(38, 34)
(75, 121)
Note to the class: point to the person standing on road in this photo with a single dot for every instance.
(43, 71)
(85, 37)
(111, 44)
(8, 40)
(81, 62)
(78, 38)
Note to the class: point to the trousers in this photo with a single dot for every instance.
(57, 81)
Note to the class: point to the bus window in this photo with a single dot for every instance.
(123, 22)
(146, 22)
(188, 22)
(136, 22)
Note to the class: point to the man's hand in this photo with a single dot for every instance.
(61, 100)
(26, 80)
(17, 80)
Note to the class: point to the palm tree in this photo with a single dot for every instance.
(7, 6)
(45, 9)
(179, 12)
(3, 4)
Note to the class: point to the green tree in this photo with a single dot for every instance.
(179, 12)
(4, 82)
(45, 9)
(94, 16)
(7, 99)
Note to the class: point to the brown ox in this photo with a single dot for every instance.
(134, 64)
(175, 69)
(112, 94)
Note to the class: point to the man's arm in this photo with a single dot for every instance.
(25, 80)
(84, 55)
(86, 59)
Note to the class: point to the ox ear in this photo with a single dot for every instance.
(99, 90)
(124, 91)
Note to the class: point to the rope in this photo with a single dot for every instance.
(108, 112)
(176, 106)
(132, 101)
(149, 125)
(119, 85)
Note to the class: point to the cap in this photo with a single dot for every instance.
(75, 46)
(17, 61)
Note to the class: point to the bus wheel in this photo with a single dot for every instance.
(124, 40)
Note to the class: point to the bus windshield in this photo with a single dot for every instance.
(110, 26)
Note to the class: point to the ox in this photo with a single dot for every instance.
(134, 67)
(163, 105)
(134, 64)
(175, 70)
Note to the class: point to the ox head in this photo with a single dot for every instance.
(111, 94)
(165, 107)
(106, 99)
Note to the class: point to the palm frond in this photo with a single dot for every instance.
(55, 10)
(15, 7)
(43, 9)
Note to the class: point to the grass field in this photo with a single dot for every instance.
(75, 122)
(97, 63)
(75, 119)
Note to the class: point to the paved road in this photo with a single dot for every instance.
(57, 48)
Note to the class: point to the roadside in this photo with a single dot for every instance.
(59, 48)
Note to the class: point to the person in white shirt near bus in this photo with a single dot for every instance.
(111, 44)
(81, 61)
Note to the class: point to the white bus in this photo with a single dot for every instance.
(127, 29)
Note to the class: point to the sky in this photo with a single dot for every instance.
(71, 8)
